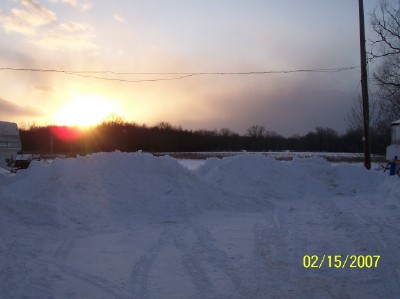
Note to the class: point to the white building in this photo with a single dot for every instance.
(10, 142)
(393, 150)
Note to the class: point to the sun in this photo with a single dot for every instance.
(85, 111)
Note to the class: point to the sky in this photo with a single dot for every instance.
(96, 38)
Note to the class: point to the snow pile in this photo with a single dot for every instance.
(262, 176)
(108, 187)
(131, 225)
(99, 188)
(268, 178)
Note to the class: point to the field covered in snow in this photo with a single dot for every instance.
(131, 225)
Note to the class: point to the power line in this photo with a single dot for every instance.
(177, 75)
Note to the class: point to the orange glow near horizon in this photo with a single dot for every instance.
(66, 133)
(84, 111)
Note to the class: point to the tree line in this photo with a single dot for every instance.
(117, 134)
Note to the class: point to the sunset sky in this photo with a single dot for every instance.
(181, 36)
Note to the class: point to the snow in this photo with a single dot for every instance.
(191, 164)
(131, 225)
(4, 171)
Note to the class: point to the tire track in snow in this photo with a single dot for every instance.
(262, 262)
(216, 257)
(141, 270)
(190, 261)
(66, 246)
(100, 283)
(194, 269)
(219, 258)
(269, 255)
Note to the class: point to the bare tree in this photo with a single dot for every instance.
(385, 21)
(226, 132)
(256, 131)
(355, 116)
(113, 119)
(388, 79)
(163, 125)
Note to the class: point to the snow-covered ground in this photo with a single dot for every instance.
(281, 155)
(119, 225)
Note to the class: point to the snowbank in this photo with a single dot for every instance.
(107, 186)
(269, 178)
(131, 225)
(99, 188)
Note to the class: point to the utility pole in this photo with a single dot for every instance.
(364, 87)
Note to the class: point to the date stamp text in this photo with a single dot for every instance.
(341, 261)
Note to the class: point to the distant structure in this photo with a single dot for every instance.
(10, 143)
(393, 150)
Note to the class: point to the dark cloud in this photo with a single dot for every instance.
(8, 109)
(285, 106)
